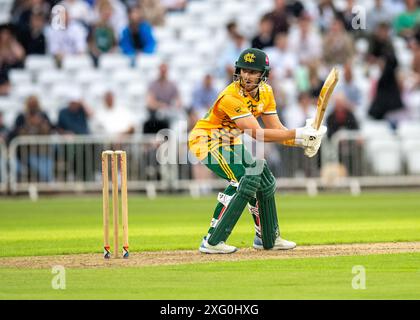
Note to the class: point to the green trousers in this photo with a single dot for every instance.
(230, 163)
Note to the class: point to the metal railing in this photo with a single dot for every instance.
(3, 168)
(73, 163)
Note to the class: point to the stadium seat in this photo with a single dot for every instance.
(89, 76)
(385, 156)
(193, 35)
(112, 61)
(23, 91)
(124, 77)
(411, 151)
(10, 106)
(77, 62)
(61, 93)
(409, 129)
(36, 63)
(375, 129)
(48, 77)
(147, 61)
(20, 76)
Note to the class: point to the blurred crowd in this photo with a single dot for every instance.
(303, 40)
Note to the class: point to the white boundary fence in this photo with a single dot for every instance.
(73, 164)
(3, 168)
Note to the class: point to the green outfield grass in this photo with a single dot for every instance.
(74, 225)
(387, 277)
(67, 225)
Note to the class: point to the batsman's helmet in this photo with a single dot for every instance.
(253, 59)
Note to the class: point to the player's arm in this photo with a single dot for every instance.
(272, 121)
(250, 126)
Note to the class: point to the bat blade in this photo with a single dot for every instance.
(324, 96)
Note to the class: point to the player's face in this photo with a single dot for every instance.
(250, 79)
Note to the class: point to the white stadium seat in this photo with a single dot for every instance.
(111, 61)
(148, 61)
(89, 76)
(409, 129)
(39, 62)
(385, 156)
(378, 128)
(77, 62)
(23, 91)
(20, 76)
(411, 151)
(124, 77)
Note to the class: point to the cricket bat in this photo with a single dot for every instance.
(324, 97)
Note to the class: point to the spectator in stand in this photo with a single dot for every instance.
(78, 10)
(4, 132)
(118, 19)
(380, 12)
(349, 87)
(295, 115)
(326, 13)
(163, 102)
(416, 53)
(33, 39)
(22, 15)
(113, 119)
(12, 56)
(73, 119)
(282, 61)
(341, 117)
(102, 37)
(338, 44)
(33, 121)
(295, 8)
(280, 17)
(380, 44)
(230, 54)
(174, 5)
(137, 36)
(404, 24)
(203, 97)
(71, 40)
(264, 38)
(347, 16)
(305, 42)
(154, 12)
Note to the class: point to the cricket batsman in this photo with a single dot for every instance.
(215, 141)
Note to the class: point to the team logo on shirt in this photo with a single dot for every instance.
(249, 57)
(238, 109)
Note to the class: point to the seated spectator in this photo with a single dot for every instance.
(342, 118)
(78, 10)
(295, 115)
(154, 12)
(102, 37)
(230, 54)
(282, 61)
(174, 5)
(305, 42)
(163, 102)
(264, 38)
(33, 121)
(203, 96)
(112, 118)
(33, 39)
(4, 132)
(118, 19)
(71, 40)
(381, 12)
(280, 17)
(22, 14)
(12, 56)
(73, 119)
(350, 89)
(338, 44)
(380, 44)
(326, 13)
(405, 22)
(137, 36)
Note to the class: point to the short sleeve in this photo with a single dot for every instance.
(234, 107)
(270, 106)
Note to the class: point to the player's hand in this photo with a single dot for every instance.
(312, 151)
(309, 137)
